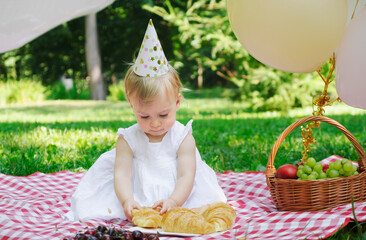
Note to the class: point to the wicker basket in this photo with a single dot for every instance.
(321, 194)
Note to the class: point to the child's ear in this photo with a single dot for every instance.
(179, 98)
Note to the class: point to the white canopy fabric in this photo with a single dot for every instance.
(23, 20)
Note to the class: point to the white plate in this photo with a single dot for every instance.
(161, 232)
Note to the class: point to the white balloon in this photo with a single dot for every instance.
(290, 35)
(351, 63)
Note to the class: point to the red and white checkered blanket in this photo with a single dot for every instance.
(32, 208)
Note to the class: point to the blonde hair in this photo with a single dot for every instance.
(146, 88)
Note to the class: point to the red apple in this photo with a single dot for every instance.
(287, 171)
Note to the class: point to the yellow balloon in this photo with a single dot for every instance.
(289, 35)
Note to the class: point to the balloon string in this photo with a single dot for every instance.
(354, 10)
(319, 102)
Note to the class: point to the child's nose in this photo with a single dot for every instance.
(155, 123)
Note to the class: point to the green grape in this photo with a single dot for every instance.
(300, 167)
(331, 165)
(311, 162)
(337, 164)
(299, 173)
(348, 173)
(333, 173)
(307, 169)
(355, 173)
(304, 176)
(315, 174)
(347, 166)
(344, 161)
(354, 168)
(311, 177)
(322, 175)
(318, 167)
(341, 172)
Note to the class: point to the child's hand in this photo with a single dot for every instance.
(128, 206)
(165, 204)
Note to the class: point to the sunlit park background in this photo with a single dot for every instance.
(50, 121)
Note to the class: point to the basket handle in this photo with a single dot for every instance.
(271, 170)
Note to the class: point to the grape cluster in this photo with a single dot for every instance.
(342, 167)
(104, 233)
(312, 170)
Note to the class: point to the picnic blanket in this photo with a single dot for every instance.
(32, 207)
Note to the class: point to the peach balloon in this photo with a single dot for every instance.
(289, 35)
(351, 63)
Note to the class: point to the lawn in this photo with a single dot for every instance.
(68, 135)
(52, 136)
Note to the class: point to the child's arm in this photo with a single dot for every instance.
(123, 176)
(185, 178)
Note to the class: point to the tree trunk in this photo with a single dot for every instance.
(93, 61)
(200, 74)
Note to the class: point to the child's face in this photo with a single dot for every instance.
(156, 117)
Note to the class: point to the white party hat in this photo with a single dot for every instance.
(151, 61)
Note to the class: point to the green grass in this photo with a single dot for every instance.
(58, 135)
(52, 136)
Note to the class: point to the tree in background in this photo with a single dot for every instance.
(97, 90)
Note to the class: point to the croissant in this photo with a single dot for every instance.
(147, 217)
(220, 214)
(183, 220)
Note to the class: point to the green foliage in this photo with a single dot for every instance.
(203, 40)
(55, 53)
(29, 90)
(121, 27)
(350, 232)
(116, 92)
(80, 90)
(271, 90)
(23, 91)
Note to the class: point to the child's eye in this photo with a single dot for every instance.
(163, 115)
(144, 117)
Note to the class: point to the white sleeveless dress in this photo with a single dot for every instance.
(154, 175)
